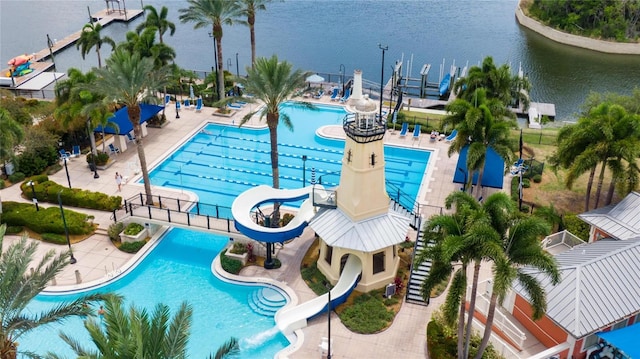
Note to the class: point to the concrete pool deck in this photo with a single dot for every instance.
(98, 259)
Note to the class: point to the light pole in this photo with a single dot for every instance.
(237, 66)
(72, 260)
(215, 59)
(304, 170)
(383, 48)
(66, 169)
(464, 186)
(33, 191)
(342, 70)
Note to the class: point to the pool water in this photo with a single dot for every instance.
(218, 163)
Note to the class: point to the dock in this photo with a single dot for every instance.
(44, 60)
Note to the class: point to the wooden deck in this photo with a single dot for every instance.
(40, 61)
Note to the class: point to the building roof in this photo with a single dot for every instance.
(598, 287)
(621, 221)
(368, 235)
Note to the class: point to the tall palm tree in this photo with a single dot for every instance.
(479, 129)
(522, 254)
(11, 134)
(214, 13)
(145, 45)
(90, 37)
(158, 20)
(136, 333)
(129, 80)
(19, 285)
(467, 236)
(273, 82)
(248, 10)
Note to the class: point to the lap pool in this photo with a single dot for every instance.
(218, 163)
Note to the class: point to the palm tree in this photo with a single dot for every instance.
(129, 80)
(471, 234)
(145, 45)
(90, 37)
(479, 130)
(11, 134)
(214, 13)
(522, 254)
(19, 285)
(157, 20)
(273, 83)
(248, 10)
(136, 333)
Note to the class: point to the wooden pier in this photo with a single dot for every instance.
(42, 60)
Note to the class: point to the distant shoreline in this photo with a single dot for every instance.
(609, 47)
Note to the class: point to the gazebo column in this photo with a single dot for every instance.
(120, 142)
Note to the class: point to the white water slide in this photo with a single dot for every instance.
(289, 319)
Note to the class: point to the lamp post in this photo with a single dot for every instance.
(304, 170)
(93, 154)
(33, 191)
(66, 230)
(215, 59)
(66, 169)
(464, 186)
(342, 70)
(383, 48)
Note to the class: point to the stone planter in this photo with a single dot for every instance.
(231, 113)
(104, 166)
(141, 236)
(241, 257)
(152, 125)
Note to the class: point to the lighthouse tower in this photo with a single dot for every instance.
(361, 223)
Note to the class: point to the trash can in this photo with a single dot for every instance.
(8, 168)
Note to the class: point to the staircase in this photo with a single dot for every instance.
(266, 301)
(418, 273)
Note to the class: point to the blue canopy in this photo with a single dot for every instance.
(493, 175)
(625, 339)
(121, 118)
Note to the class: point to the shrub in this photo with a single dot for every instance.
(526, 183)
(525, 208)
(47, 220)
(54, 238)
(47, 191)
(537, 178)
(238, 248)
(286, 218)
(133, 228)
(132, 247)
(230, 265)
(114, 230)
(1, 183)
(576, 226)
(16, 177)
(14, 230)
(101, 159)
(368, 314)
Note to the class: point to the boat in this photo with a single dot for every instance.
(444, 85)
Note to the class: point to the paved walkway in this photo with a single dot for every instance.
(99, 261)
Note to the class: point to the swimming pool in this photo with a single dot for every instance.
(218, 163)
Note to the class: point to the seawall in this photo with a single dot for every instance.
(575, 40)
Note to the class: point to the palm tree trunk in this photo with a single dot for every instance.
(461, 317)
(472, 307)
(99, 58)
(612, 188)
(134, 116)
(479, 183)
(221, 93)
(252, 31)
(589, 186)
(488, 325)
(600, 183)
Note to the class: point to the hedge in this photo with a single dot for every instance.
(132, 247)
(46, 220)
(47, 191)
(230, 265)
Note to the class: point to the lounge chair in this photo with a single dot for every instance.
(187, 104)
(319, 94)
(113, 149)
(434, 136)
(451, 136)
(404, 129)
(199, 104)
(416, 132)
(64, 155)
(131, 137)
(235, 105)
(177, 105)
(167, 99)
(347, 93)
(76, 151)
(334, 95)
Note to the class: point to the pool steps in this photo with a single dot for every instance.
(266, 301)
